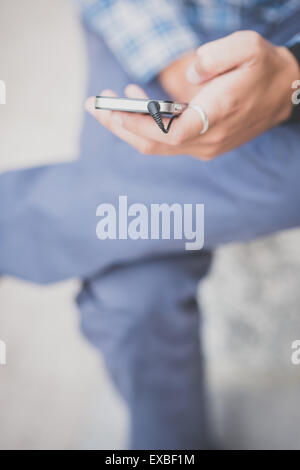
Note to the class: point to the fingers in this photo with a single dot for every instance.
(143, 125)
(134, 91)
(141, 131)
(131, 91)
(186, 128)
(222, 55)
(136, 123)
(103, 116)
(191, 121)
(111, 122)
(140, 126)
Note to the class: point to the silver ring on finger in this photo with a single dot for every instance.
(203, 116)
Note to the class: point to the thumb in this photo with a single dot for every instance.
(222, 55)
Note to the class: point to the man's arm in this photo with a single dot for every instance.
(145, 36)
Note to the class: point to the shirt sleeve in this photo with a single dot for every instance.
(144, 35)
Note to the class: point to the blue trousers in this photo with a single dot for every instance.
(138, 299)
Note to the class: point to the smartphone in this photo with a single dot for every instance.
(134, 105)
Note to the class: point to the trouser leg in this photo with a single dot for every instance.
(144, 318)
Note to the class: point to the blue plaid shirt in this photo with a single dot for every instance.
(147, 35)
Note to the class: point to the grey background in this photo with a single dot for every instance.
(54, 392)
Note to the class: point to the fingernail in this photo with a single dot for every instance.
(192, 75)
(132, 87)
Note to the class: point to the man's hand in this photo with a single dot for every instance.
(245, 89)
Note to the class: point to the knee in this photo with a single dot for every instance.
(115, 308)
(131, 303)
